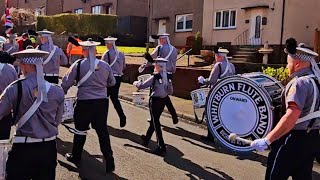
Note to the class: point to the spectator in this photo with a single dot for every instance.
(74, 52)
(24, 42)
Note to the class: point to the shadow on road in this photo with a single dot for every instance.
(91, 167)
(212, 146)
(174, 157)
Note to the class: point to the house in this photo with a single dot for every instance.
(132, 17)
(179, 18)
(40, 7)
(116, 7)
(251, 23)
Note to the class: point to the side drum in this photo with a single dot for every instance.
(68, 108)
(244, 105)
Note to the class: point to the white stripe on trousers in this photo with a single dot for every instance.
(275, 159)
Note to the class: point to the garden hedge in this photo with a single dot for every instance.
(82, 24)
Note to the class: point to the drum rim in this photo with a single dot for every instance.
(261, 90)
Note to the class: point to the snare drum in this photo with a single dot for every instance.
(68, 108)
(199, 97)
(5, 146)
(244, 105)
(141, 98)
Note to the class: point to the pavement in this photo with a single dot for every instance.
(183, 107)
(188, 157)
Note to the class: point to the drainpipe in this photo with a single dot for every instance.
(282, 28)
(46, 6)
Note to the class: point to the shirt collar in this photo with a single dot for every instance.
(302, 72)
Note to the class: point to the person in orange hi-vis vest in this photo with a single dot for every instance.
(74, 52)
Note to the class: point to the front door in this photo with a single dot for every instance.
(162, 26)
(255, 29)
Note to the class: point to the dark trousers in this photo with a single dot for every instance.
(113, 93)
(170, 107)
(5, 127)
(36, 161)
(293, 155)
(92, 112)
(52, 79)
(156, 106)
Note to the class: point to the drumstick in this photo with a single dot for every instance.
(234, 137)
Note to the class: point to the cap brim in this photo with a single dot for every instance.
(307, 51)
(30, 52)
(89, 43)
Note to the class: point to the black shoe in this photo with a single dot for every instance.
(160, 151)
(71, 158)
(144, 141)
(175, 120)
(110, 167)
(208, 138)
(123, 121)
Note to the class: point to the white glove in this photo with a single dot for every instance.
(201, 79)
(260, 144)
(137, 83)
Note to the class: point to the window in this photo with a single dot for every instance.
(96, 9)
(108, 9)
(39, 11)
(225, 19)
(78, 11)
(184, 22)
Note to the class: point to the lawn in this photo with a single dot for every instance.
(125, 49)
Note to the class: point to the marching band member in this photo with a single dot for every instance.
(55, 58)
(221, 69)
(295, 139)
(37, 107)
(11, 46)
(116, 60)
(167, 51)
(7, 75)
(160, 88)
(92, 77)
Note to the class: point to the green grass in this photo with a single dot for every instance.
(125, 49)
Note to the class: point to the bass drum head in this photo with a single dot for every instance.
(238, 105)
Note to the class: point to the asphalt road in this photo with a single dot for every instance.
(188, 157)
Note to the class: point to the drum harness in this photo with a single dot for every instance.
(313, 114)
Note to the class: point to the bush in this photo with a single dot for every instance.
(197, 44)
(82, 24)
(281, 74)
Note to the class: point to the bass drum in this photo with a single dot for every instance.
(244, 105)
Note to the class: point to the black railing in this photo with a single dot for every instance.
(242, 39)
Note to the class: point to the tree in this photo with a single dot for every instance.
(21, 16)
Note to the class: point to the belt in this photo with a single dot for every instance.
(19, 139)
(117, 75)
(51, 74)
(169, 73)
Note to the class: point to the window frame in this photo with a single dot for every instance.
(75, 11)
(184, 22)
(221, 19)
(101, 9)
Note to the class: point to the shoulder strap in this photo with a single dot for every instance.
(33, 108)
(15, 113)
(108, 57)
(78, 72)
(50, 55)
(85, 77)
(220, 69)
(158, 52)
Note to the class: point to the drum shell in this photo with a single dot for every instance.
(140, 98)
(68, 111)
(271, 106)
